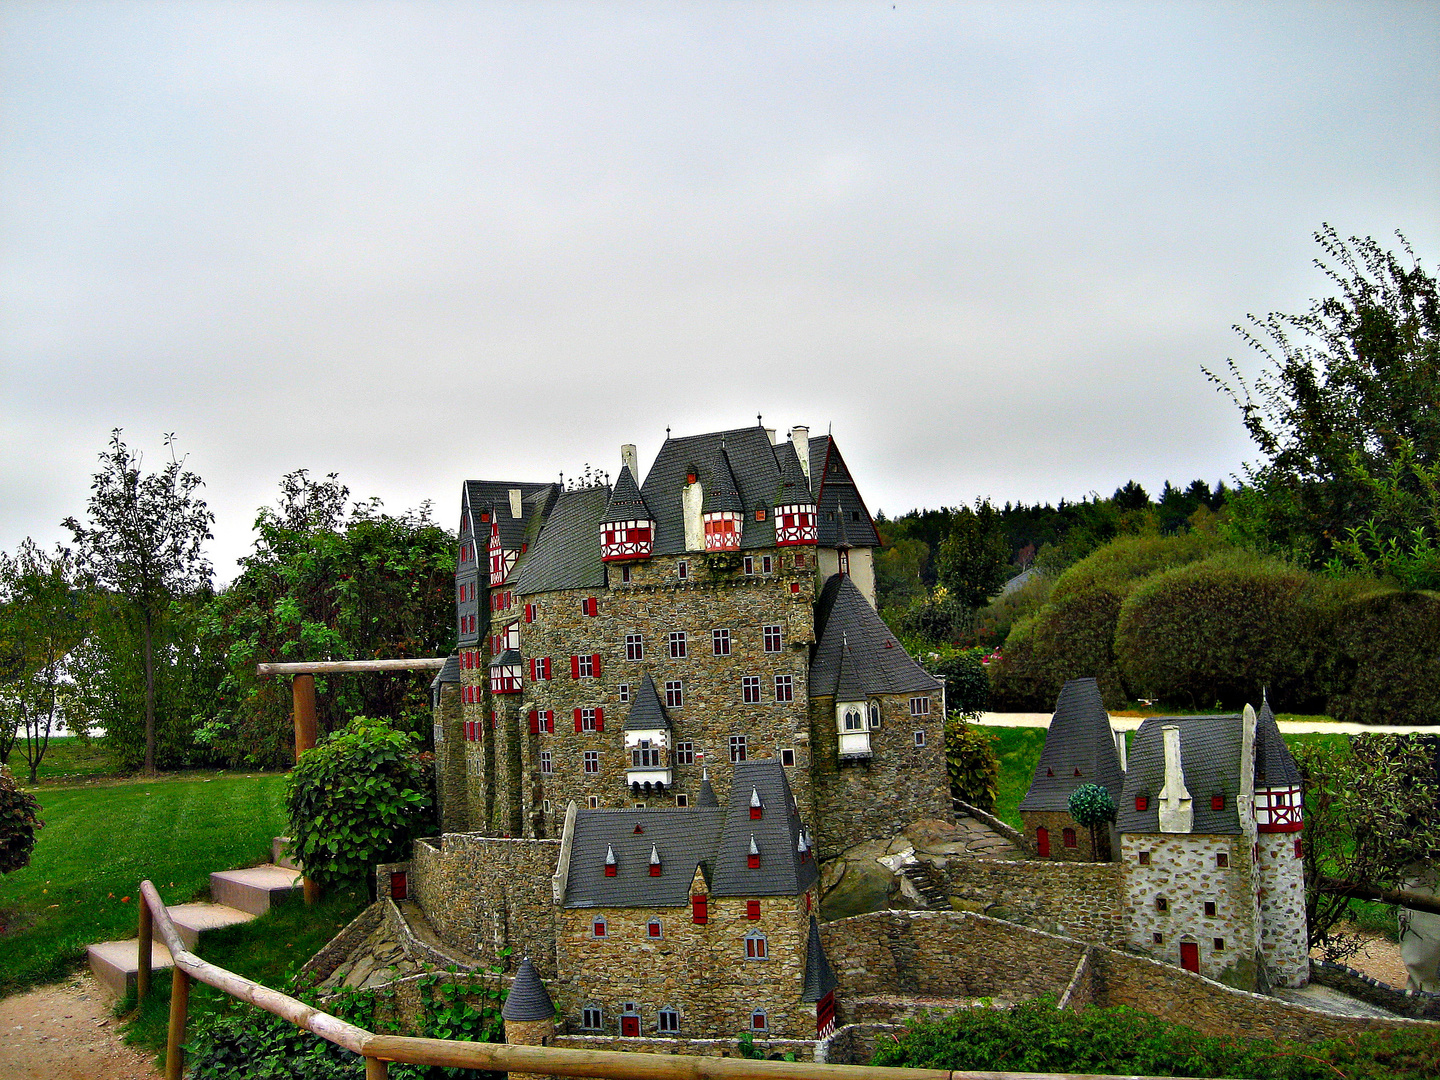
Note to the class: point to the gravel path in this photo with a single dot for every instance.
(65, 1032)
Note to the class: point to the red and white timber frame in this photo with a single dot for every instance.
(1277, 809)
(795, 523)
(722, 531)
(627, 539)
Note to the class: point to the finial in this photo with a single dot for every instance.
(759, 420)
(667, 432)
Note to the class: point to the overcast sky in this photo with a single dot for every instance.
(418, 242)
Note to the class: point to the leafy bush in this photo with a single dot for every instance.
(19, 820)
(971, 762)
(1217, 630)
(359, 798)
(1387, 659)
(967, 687)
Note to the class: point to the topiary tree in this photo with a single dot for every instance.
(18, 824)
(1092, 806)
(358, 798)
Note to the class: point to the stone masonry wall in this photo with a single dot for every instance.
(1079, 900)
(1283, 932)
(450, 780)
(702, 971)
(1056, 822)
(482, 895)
(900, 783)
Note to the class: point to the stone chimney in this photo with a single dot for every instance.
(627, 457)
(1177, 809)
(692, 502)
(800, 439)
(515, 495)
(1245, 798)
(1120, 749)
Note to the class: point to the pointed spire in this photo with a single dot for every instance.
(654, 855)
(609, 855)
(754, 847)
(647, 711)
(527, 999)
(755, 802)
(626, 503)
(706, 796)
(819, 977)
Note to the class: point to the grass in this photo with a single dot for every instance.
(101, 838)
(66, 760)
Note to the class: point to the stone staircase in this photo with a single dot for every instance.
(237, 896)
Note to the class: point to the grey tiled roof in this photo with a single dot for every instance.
(566, 554)
(706, 795)
(1274, 765)
(685, 838)
(1210, 760)
(527, 999)
(450, 673)
(819, 978)
(1079, 741)
(647, 712)
(626, 502)
(837, 498)
(738, 470)
(794, 488)
(852, 642)
(494, 496)
(777, 834)
(510, 657)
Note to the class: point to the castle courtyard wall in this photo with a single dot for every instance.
(1079, 900)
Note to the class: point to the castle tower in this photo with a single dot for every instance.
(529, 1014)
(1281, 868)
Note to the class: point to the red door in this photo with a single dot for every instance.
(1190, 956)
(1042, 841)
(630, 1025)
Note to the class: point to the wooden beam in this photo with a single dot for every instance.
(1398, 897)
(347, 667)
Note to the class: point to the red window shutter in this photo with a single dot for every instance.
(577, 722)
(532, 669)
(1217, 802)
(547, 667)
(752, 909)
(534, 722)
(599, 719)
(752, 862)
(550, 721)
(595, 665)
(699, 909)
(1141, 802)
(574, 667)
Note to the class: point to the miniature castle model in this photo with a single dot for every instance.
(1209, 822)
(621, 646)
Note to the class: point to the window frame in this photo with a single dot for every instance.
(667, 1021)
(592, 1018)
(784, 688)
(679, 645)
(685, 752)
(750, 689)
(591, 758)
(547, 763)
(772, 637)
(739, 748)
(634, 646)
(674, 693)
(757, 946)
(920, 706)
(720, 641)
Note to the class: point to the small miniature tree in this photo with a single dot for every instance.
(19, 822)
(1092, 806)
(357, 799)
(971, 762)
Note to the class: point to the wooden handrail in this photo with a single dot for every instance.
(344, 667)
(555, 1061)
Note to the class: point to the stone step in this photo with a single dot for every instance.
(256, 889)
(114, 963)
(192, 920)
(278, 855)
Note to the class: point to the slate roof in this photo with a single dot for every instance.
(706, 795)
(1274, 765)
(718, 837)
(508, 658)
(626, 502)
(819, 978)
(1079, 739)
(494, 496)
(527, 999)
(857, 653)
(450, 673)
(838, 499)
(794, 488)
(566, 553)
(1210, 760)
(647, 712)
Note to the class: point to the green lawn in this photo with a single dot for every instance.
(66, 760)
(101, 838)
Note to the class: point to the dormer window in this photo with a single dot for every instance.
(722, 531)
(1217, 802)
(1141, 803)
(634, 539)
(757, 808)
(611, 867)
(752, 860)
(654, 865)
(795, 524)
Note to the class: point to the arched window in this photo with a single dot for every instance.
(756, 947)
(874, 716)
(669, 1023)
(758, 1022)
(1068, 837)
(854, 719)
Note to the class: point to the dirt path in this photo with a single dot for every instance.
(65, 1032)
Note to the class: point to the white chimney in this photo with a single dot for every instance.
(692, 502)
(1177, 810)
(628, 458)
(515, 503)
(770, 434)
(800, 439)
(1120, 749)
(1245, 799)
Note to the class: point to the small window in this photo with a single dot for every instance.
(591, 1019)
(919, 706)
(584, 667)
(599, 928)
(652, 929)
(874, 716)
(682, 569)
(752, 909)
(1141, 803)
(1217, 802)
(624, 692)
(772, 638)
(756, 947)
(547, 763)
(1222, 860)
(634, 647)
(592, 761)
(684, 754)
(590, 606)
(1144, 858)
(1209, 909)
(1067, 837)
(669, 1022)
(739, 748)
(594, 802)
(787, 758)
(720, 642)
(1162, 905)
(682, 800)
(1219, 944)
(545, 805)
(750, 689)
(758, 1021)
(1158, 938)
(674, 694)
(1299, 850)
(678, 645)
(749, 564)
(920, 739)
(588, 721)
(799, 560)
(784, 688)
(767, 565)
(625, 575)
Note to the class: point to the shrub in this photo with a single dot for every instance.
(19, 821)
(971, 762)
(967, 687)
(1387, 659)
(356, 799)
(1217, 630)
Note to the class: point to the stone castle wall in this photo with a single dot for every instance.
(1055, 822)
(1283, 930)
(482, 895)
(1080, 900)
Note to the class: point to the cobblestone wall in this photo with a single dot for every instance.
(1283, 930)
(1080, 900)
(1055, 822)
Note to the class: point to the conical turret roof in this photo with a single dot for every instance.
(527, 999)
(626, 503)
(647, 712)
(1274, 765)
(819, 977)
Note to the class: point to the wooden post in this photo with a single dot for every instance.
(375, 1069)
(179, 1007)
(302, 690)
(145, 942)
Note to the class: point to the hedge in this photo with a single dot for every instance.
(1386, 665)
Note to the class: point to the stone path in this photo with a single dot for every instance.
(377, 960)
(1331, 1001)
